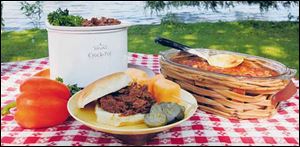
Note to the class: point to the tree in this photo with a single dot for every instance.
(33, 12)
(2, 20)
(263, 5)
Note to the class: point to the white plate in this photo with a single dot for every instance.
(88, 117)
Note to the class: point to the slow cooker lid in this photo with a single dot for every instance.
(123, 25)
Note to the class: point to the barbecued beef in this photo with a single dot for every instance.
(130, 100)
(103, 21)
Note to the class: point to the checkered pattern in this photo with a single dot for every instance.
(201, 129)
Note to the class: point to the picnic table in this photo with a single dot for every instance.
(201, 129)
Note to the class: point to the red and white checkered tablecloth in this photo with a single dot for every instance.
(202, 129)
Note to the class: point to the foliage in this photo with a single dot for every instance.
(2, 20)
(33, 11)
(62, 18)
(161, 5)
(274, 40)
(263, 5)
(214, 5)
(72, 88)
(266, 5)
(292, 17)
(170, 19)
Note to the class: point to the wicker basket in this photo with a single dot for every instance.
(214, 92)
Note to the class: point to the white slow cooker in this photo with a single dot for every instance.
(81, 55)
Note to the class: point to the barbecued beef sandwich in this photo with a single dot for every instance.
(120, 101)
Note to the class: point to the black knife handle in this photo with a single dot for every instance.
(172, 44)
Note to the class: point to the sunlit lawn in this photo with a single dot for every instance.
(275, 40)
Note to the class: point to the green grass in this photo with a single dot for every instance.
(23, 45)
(274, 40)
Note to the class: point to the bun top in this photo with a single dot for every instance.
(102, 87)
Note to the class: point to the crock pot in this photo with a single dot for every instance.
(81, 55)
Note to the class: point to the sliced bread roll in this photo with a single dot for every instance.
(102, 87)
(115, 119)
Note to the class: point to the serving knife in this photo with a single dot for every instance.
(218, 60)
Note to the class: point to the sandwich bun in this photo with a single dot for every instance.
(102, 87)
(115, 119)
(137, 75)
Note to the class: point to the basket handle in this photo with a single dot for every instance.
(285, 93)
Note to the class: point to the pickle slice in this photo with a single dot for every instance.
(156, 108)
(155, 119)
(180, 116)
(173, 111)
(163, 114)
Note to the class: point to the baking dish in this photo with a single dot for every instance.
(228, 95)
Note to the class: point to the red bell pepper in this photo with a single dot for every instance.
(42, 103)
